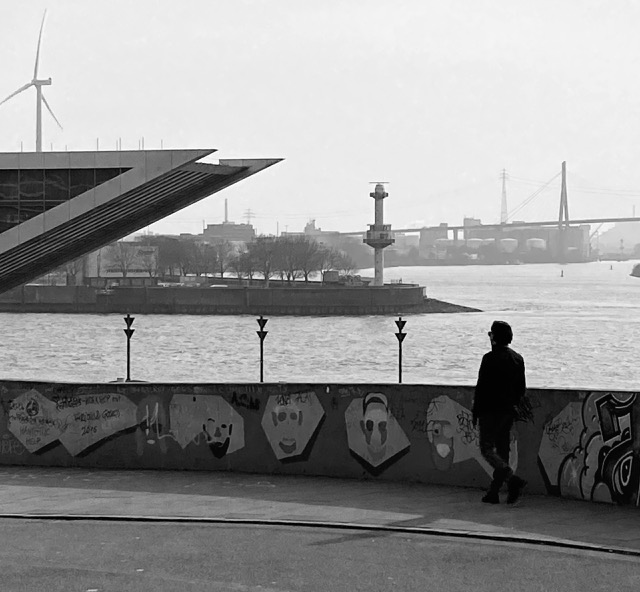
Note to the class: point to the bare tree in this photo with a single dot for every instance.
(295, 257)
(186, 257)
(327, 259)
(248, 264)
(310, 257)
(211, 258)
(121, 255)
(345, 264)
(196, 257)
(148, 257)
(224, 252)
(262, 255)
(236, 265)
(169, 253)
(203, 257)
(287, 258)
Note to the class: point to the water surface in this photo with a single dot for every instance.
(580, 330)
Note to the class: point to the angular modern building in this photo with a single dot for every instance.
(57, 206)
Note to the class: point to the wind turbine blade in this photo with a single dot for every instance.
(35, 70)
(13, 94)
(50, 111)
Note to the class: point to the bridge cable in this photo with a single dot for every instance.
(529, 199)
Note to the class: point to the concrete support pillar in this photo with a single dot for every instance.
(378, 212)
(378, 268)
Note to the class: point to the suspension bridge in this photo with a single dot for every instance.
(564, 238)
(563, 219)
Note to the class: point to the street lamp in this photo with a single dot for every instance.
(400, 335)
(129, 332)
(262, 334)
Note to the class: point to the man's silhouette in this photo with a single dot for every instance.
(501, 385)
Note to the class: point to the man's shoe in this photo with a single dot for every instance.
(516, 485)
(491, 497)
(500, 476)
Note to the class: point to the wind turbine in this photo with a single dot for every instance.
(38, 83)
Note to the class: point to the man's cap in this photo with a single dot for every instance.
(502, 332)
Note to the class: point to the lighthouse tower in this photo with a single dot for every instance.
(379, 235)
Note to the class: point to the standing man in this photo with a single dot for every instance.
(501, 384)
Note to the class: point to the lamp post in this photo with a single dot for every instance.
(400, 335)
(262, 334)
(129, 332)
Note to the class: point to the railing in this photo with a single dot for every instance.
(379, 235)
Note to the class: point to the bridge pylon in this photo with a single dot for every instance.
(563, 217)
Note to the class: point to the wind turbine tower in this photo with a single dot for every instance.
(38, 83)
(379, 235)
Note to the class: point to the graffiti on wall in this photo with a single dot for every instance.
(9, 446)
(76, 422)
(290, 421)
(594, 454)
(206, 418)
(373, 433)
(560, 437)
(153, 424)
(79, 422)
(453, 437)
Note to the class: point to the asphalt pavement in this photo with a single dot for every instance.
(306, 501)
(132, 556)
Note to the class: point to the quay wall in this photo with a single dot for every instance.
(34, 298)
(280, 300)
(581, 444)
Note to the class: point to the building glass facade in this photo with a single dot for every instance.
(26, 193)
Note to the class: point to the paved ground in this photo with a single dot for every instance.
(106, 556)
(217, 496)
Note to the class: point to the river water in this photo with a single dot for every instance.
(579, 330)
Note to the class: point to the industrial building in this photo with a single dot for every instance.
(510, 243)
(228, 232)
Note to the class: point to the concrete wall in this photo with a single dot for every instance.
(38, 298)
(582, 444)
(219, 300)
(259, 300)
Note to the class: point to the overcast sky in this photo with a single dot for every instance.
(435, 97)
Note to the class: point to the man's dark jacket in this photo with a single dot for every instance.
(501, 382)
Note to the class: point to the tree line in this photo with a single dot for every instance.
(288, 258)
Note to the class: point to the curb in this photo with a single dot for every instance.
(423, 530)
